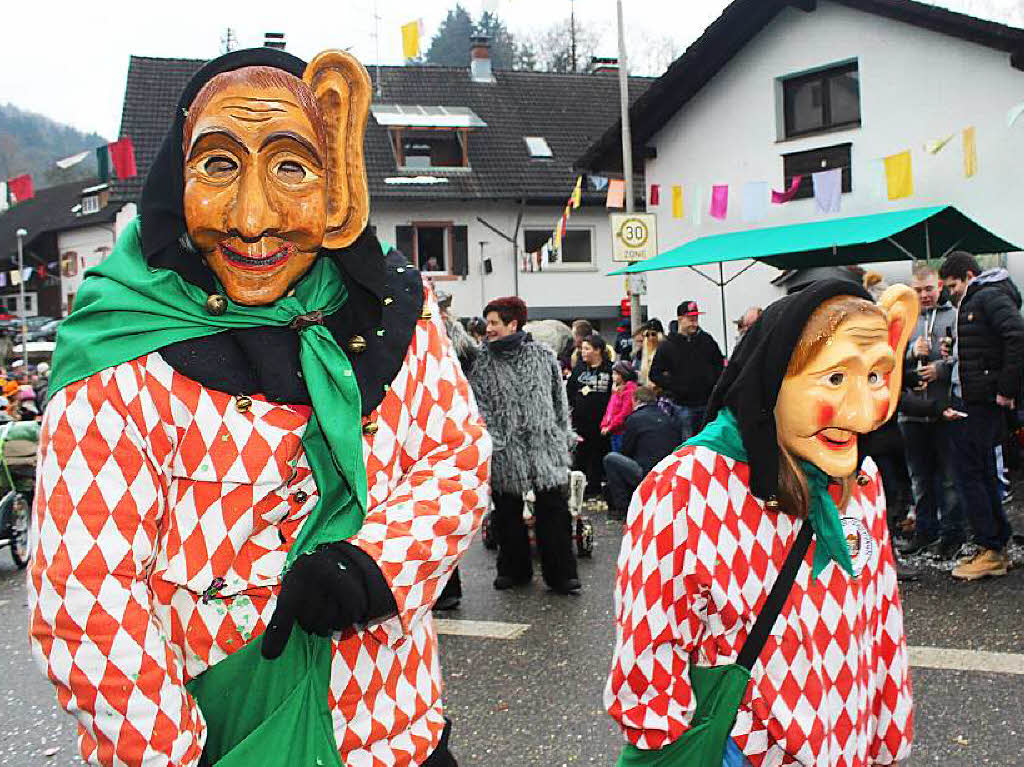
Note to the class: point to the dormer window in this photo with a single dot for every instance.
(93, 200)
(428, 137)
(90, 204)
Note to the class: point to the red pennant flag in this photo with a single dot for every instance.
(780, 197)
(41, 271)
(655, 197)
(20, 188)
(122, 157)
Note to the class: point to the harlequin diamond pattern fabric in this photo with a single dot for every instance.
(698, 560)
(163, 518)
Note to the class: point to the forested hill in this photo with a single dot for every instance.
(31, 143)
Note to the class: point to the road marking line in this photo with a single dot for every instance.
(482, 629)
(967, 660)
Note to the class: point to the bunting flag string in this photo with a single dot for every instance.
(654, 198)
(677, 202)
(899, 176)
(779, 198)
(719, 201)
(828, 190)
(616, 193)
(970, 152)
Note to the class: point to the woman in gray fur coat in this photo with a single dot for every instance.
(518, 386)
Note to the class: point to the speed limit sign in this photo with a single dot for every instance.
(634, 236)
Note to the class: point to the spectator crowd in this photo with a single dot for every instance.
(613, 409)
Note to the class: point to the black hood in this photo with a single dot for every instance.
(750, 384)
(265, 359)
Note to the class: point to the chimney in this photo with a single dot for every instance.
(274, 40)
(480, 59)
(603, 65)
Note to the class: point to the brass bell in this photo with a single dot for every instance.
(243, 403)
(370, 428)
(425, 314)
(357, 344)
(863, 479)
(772, 504)
(216, 305)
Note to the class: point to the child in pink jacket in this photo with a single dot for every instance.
(621, 403)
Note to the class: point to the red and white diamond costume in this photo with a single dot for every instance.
(698, 560)
(150, 486)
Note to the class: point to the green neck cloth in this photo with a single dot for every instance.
(723, 436)
(126, 309)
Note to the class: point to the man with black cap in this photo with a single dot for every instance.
(686, 367)
(261, 459)
(737, 640)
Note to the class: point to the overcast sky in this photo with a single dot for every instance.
(68, 60)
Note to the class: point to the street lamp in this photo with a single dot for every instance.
(21, 234)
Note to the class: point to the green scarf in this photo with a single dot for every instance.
(126, 310)
(723, 436)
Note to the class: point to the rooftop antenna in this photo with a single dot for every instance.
(572, 31)
(376, 38)
(229, 41)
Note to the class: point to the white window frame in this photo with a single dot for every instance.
(90, 204)
(561, 266)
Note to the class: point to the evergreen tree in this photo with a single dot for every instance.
(450, 46)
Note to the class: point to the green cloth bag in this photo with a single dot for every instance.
(719, 692)
(257, 710)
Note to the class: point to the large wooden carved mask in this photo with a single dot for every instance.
(274, 171)
(844, 377)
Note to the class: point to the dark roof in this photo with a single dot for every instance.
(569, 110)
(48, 211)
(738, 24)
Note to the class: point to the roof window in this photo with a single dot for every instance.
(538, 147)
(400, 116)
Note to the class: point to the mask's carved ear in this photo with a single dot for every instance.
(901, 309)
(342, 89)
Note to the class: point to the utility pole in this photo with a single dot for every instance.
(21, 234)
(627, 159)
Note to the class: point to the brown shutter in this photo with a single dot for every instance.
(460, 250)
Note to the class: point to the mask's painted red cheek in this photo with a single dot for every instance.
(825, 415)
(882, 410)
(895, 330)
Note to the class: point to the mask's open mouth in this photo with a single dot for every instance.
(255, 263)
(836, 439)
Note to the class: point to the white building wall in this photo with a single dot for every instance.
(91, 244)
(915, 85)
(555, 286)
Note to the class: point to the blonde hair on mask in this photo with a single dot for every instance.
(794, 497)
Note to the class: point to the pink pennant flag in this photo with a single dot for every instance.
(616, 193)
(783, 197)
(719, 201)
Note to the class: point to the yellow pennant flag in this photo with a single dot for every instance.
(577, 193)
(899, 178)
(411, 39)
(970, 152)
(677, 202)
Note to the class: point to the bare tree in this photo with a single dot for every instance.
(552, 46)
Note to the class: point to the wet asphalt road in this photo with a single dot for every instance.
(535, 701)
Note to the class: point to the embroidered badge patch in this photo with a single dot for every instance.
(859, 541)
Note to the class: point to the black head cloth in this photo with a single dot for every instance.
(265, 360)
(750, 384)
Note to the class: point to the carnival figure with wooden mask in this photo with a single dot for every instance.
(261, 460)
(757, 614)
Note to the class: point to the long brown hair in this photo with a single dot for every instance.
(794, 497)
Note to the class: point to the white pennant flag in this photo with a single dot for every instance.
(74, 159)
(1014, 114)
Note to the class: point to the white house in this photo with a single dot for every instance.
(773, 89)
(468, 170)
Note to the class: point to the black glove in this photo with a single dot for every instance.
(323, 592)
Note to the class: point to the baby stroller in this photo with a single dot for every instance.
(583, 528)
(19, 441)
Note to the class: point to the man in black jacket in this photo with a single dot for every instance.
(989, 354)
(686, 367)
(650, 435)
